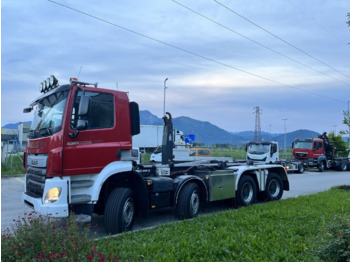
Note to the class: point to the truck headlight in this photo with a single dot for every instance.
(52, 195)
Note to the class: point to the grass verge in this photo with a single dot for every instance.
(294, 229)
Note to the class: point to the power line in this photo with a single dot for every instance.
(313, 19)
(256, 42)
(279, 38)
(193, 53)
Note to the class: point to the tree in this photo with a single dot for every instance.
(339, 143)
(346, 121)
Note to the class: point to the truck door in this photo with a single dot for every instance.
(88, 150)
(318, 149)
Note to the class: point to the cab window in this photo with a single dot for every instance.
(100, 113)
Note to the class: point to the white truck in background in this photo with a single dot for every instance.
(151, 136)
(268, 153)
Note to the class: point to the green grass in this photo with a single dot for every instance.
(285, 230)
(13, 165)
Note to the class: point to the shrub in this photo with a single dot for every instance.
(38, 238)
(335, 246)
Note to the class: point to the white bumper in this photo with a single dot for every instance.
(56, 209)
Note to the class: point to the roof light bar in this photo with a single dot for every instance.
(48, 84)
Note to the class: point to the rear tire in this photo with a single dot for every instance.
(274, 187)
(188, 203)
(119, 213)
(342, 166)
(246, 192)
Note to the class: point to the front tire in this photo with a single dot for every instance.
(274, 187)
(321, 166)
(301, 169)
(119, 213)
(246, 192)
(188, 203)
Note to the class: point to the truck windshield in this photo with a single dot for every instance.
(303, 144)
(48, 115)
(258, 149)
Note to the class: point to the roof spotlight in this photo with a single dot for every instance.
(53, 80)
(46, 86)
(49, 85)
(41, 87)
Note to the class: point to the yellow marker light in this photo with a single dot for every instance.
(52, 195)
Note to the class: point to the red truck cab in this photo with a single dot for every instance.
(77, 131)
(320, 153)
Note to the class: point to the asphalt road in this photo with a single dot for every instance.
(310, 182)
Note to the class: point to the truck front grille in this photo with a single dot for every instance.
(36, 174)
(301, 154)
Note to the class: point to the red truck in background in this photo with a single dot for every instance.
(319, 153)
(79, 158)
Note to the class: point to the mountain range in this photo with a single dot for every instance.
(210, 134)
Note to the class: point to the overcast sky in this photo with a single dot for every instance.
(222, 58)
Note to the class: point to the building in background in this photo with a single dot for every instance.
(13, 140)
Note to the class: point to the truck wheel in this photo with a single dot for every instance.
(119, 213)
(246, 192)
(189, 201)
(301, 169)
(342, 166)
(321, 166)
(348, 166)
(274, 187)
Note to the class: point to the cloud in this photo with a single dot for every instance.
(40, 38)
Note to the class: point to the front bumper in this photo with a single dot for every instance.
(56, 209)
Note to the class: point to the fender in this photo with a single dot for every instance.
(108, 171)
(259, 174)
(321, 158)
(180, 181)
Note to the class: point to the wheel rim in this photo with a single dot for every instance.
(128, 211)
(274, 188)
(195, 202)
(247, 192)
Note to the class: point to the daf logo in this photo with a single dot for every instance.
(34, 162)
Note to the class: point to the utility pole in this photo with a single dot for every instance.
(257, 132)
(164, 96)
(285, 142)
(349, 122)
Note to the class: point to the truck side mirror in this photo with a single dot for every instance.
(27, 110)
(82, 124)
(84, 105)
(274, 148)
(83, 110)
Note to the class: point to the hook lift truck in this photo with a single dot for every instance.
(79, 158)
(267, 152)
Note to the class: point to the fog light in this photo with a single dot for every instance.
(52, 195)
